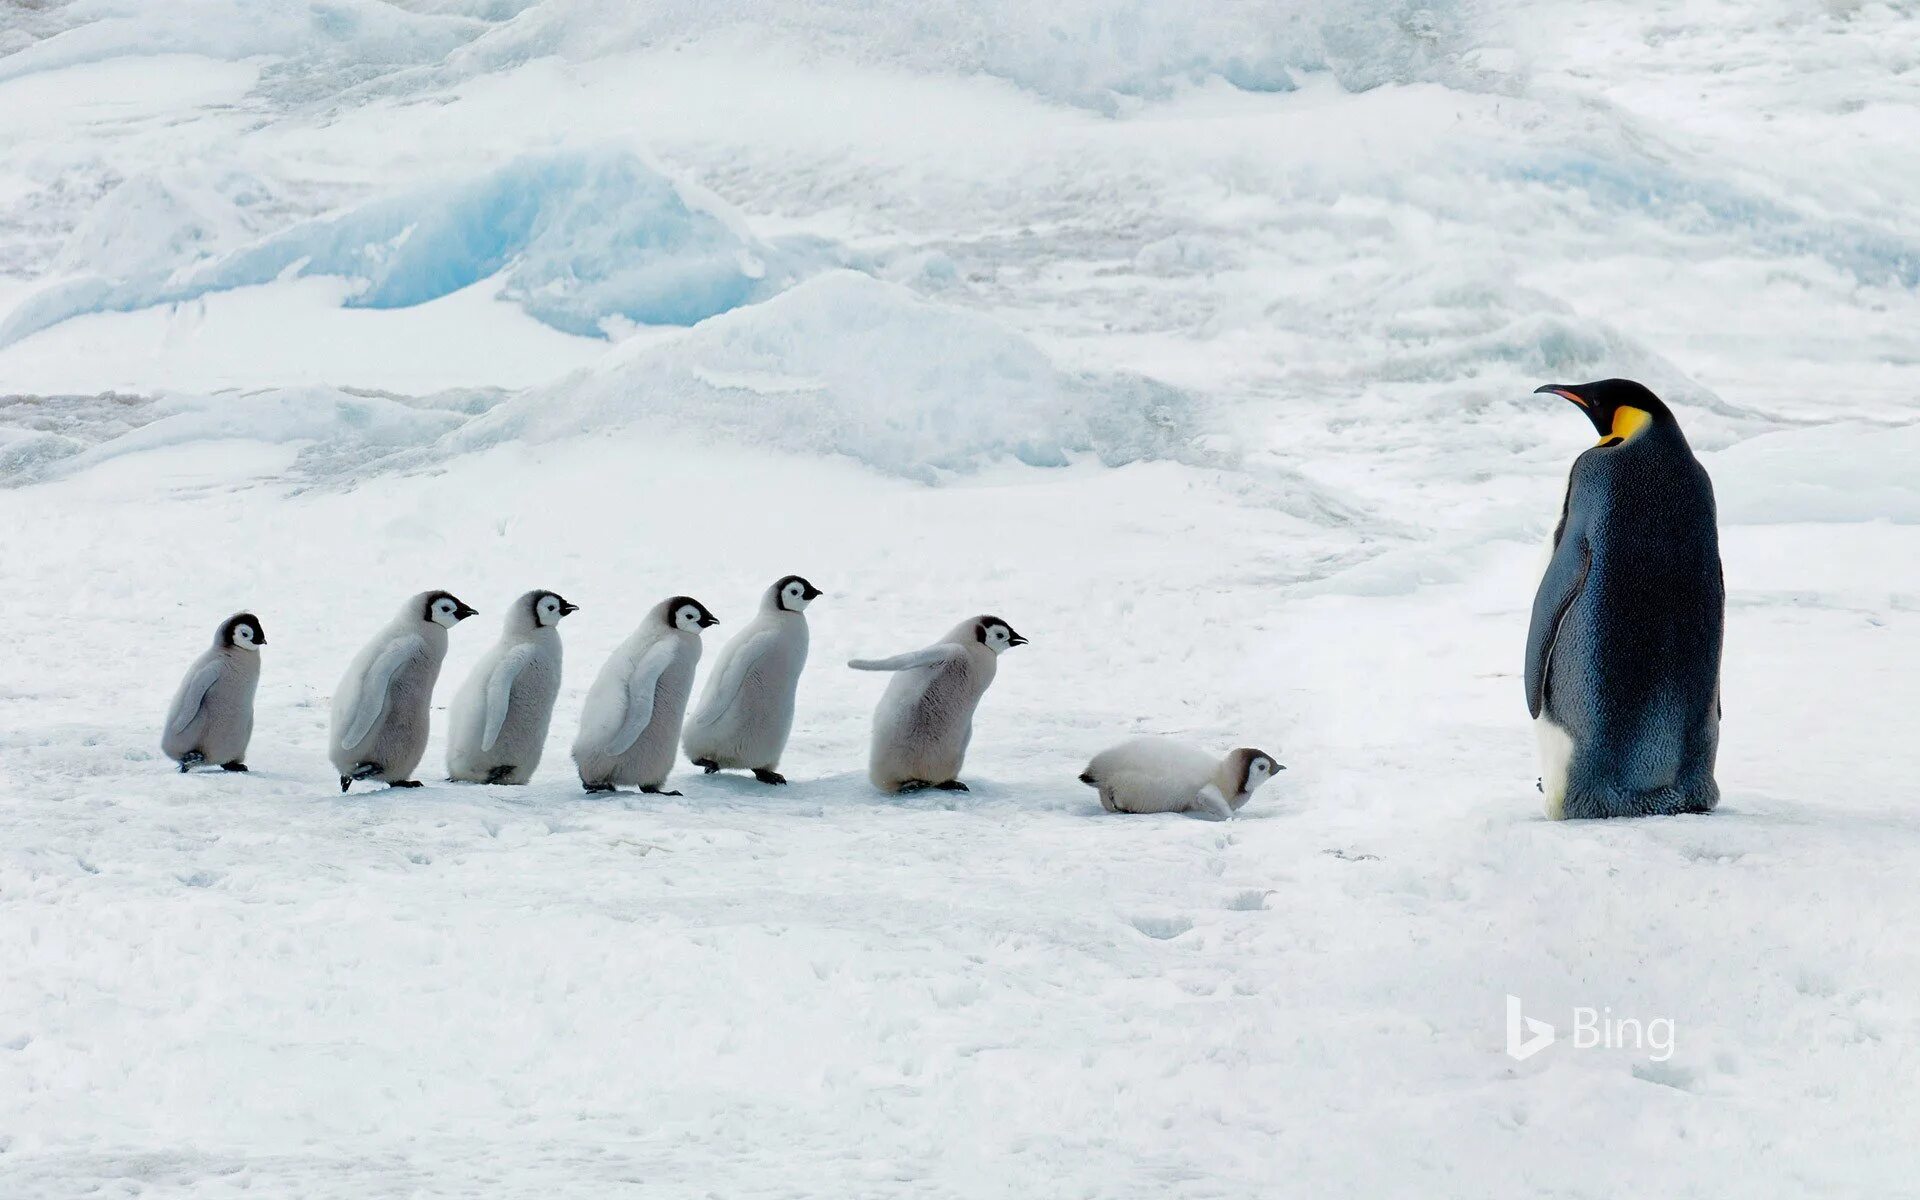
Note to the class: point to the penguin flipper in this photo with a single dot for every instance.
(725, 689)
(911, 659)
(1559, 588)
(194, 694)
(639, 707)
(500, 692)
(371, 700)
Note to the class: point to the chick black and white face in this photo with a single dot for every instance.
(1259, 771)
(690, 615)
(796, 593)
(446, 610)
(998, 636)
(548, 608)
(1260, 768)
(245, 633)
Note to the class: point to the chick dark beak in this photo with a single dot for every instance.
(462, 612)
(1015, 639)
(568, 609)
(812, 593)
(708, 622)
(260, 639)
(1565, 393)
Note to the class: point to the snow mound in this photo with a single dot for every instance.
(846, 364)
(1085, 52)
(1833, 474)
(334, 429)
(581, 240)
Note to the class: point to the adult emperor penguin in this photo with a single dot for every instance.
(380, 710)
(925, 718)
(1156, 775)
(746, 712)
(1623, 653)
(631, 725)
(212, 715)
(498, 725)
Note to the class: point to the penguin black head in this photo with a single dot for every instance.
(794, 593)
(445, 608)
(242, 631)
(548, 607)
(996, 635)
(1618, 408)
(684, 612)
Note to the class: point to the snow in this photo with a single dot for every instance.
(845, 364)
(1201, 349)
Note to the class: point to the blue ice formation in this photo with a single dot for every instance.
(580, 238)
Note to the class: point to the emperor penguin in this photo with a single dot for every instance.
(1623, 650)
(498, 724)
(925, 718)
(212, 715)
(1157, 775)
(631, 725)
(746, 712)
(380, 710)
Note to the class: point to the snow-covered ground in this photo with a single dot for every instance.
(1196, 341)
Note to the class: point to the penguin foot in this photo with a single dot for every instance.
(911, 786)
(654, 791)
(346, 781)
(500, 773)
(594, 789)
(190, 760)
(951, 785)
(235, 765)
(766, 776)
(405, 783)
(707, 765)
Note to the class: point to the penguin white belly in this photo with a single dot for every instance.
(1556, 754)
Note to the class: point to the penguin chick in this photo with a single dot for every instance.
(212, 715)
(498, 725)
(1154, 775)
(1623, 648)
(746, 712)
(924, 721)
(630, 727)
(380, 709)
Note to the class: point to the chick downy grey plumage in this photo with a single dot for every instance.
(924, 722)
(497, 728)
(211, 720)
(381, 710)
(1156, 775)
(746, 712)
(630, 728)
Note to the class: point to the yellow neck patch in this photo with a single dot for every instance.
(1627, 421)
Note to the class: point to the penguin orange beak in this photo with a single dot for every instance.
(1565, 393)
